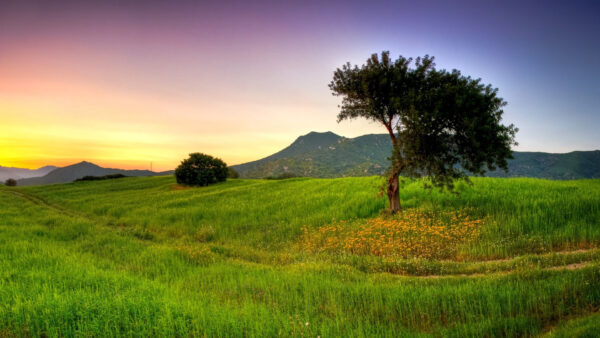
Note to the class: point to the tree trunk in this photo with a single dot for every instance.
(393, 192)
(393, 188)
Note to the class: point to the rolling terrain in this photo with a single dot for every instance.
(143, 256)
(327, 155)
(72, 172)
(331, 155)
(18, 173)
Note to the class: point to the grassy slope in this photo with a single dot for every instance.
(141, 257)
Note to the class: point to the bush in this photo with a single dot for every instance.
(99, 178)
(201, 169)
(231, 173)
(10, 182)
(282, 176)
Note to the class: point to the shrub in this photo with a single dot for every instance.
(10, 182)
(231, 173)
(99, 178)
(201, 170)
(282, 176)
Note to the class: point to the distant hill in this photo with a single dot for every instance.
(330, 155)
(324, 155)
(18, 173)
(568, 166)
(79, 170)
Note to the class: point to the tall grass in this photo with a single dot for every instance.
(524, 215)
(144, 257)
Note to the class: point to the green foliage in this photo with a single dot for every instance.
(231, 173)
(99, 178)
(442, 124)
(142, 257)
(10, 182)
(201, 170)
(453, 129)
(282, 176)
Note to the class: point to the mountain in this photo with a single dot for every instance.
(330, 155)
(18, 173)
(324, 155)
(568, 166)
(79, 170)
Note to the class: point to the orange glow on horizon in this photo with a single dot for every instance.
(123, 84)
(59, 131)
(51, 122)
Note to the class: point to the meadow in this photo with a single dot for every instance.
(300, 257)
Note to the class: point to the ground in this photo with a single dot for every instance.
(300, 257)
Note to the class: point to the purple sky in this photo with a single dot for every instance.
(127, 82)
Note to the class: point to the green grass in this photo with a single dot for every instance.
(142, 257)
(587, 326)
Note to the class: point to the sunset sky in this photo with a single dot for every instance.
(126, 83)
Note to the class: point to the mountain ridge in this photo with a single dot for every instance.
(330, 155)
(78, 170)
(326, 154)
(19, 173)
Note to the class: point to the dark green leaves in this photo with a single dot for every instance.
(442, 124)
(201, 169)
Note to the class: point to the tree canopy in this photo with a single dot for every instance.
(201, 170)
(442, 124)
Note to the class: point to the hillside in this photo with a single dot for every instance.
(331, 155)
(304, 257)
(18, 173)
(324, 155)
(70, 173)
(567, 166)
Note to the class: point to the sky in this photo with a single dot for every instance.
(126, 83)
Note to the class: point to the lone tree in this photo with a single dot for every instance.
(442, 124)
(10, 182)
(201, 169)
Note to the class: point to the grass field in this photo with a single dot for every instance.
(300, 257)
